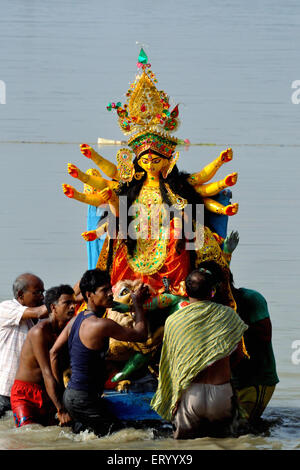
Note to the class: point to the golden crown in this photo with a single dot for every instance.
(146, 115)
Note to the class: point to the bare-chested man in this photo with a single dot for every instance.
(35, 395)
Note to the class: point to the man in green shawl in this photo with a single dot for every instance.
(194, 390)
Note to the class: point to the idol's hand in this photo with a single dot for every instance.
(226, 155)
(68, 190)
(106, 194)
(86, 150)
(231, 209)
(230, 180)
(231, 242)
(73, 170)
(90, 236)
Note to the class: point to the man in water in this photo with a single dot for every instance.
(255, 378)
(16, 318)
(194, 390)
(88, 336)
(35, 397)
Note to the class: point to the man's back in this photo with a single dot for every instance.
(195, 337)
(87, 349)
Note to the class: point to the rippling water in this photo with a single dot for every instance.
(281, 433)
(230, 65)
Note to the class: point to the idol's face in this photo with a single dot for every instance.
(152, 164)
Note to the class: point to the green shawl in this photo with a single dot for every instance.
(195, 337)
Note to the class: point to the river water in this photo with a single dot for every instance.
(231, 65)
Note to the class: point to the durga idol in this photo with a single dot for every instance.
(146, 174)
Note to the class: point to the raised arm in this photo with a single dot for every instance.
(96, 182)
(211, 189)
(211, 169)
(106, 196)
(35, 312)
(218, 208)
(139, 332)
(231, 242)
(106, 166)
(93, 199)
(92, 235)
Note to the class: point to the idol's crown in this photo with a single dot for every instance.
(147, 110)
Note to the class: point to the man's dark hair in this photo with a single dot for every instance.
(215, 269)
(53, 294)
(91, 280)
(199, 284)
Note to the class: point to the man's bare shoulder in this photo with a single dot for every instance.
(41, 329)
(97, 324)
